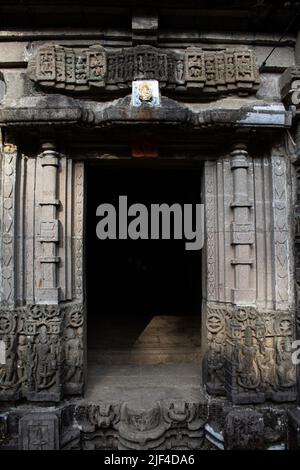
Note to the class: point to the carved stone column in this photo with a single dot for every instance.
(242, 229)
(8, 216)
(47, 291)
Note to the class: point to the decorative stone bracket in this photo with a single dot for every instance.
(80, 70)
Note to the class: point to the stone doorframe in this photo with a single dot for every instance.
(248, 293)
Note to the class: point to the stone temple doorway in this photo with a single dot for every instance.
(143, 296)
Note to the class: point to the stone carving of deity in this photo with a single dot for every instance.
(249, 373)
(74, 355)
(8, 371)
(22, 358)
(46, 360)
(285, 368)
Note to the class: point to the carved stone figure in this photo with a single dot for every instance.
(215, 362)
(74, 355)
(46, 360)
(285, 369)
(22, 359)
(267, 364)
(8, 372)
(249, 374)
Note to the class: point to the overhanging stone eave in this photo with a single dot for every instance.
(58, 110)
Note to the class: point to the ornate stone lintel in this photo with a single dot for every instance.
(94, 68)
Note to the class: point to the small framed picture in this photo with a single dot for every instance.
(145, 93)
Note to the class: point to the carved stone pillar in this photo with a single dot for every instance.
(47, 291)
(297, 264)
(8, 215)
(242, 229)
(282, 277)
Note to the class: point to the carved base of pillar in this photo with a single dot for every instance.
(243, 296)
(47, 296)
(12, 394)
(44, 396)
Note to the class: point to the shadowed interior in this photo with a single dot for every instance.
(144, 296)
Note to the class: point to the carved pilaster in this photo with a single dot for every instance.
(211, 231)
(290, 92)
(297, 264)
(282, 285)
(242, 229)
(78, 227)
(9, 169)
(47, 291)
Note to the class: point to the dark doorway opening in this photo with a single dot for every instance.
(143, 296)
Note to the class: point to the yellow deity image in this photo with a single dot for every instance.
(145, 92)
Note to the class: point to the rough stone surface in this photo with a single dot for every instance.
(294, 429)
(244, 430)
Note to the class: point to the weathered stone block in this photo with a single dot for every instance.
(244, 430)
(39, 431)
(294, 429)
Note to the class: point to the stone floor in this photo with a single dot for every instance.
(144, 358)
(143, 383)
(156, 339)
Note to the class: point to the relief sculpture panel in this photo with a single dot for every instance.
(249, 354)
(95, 68)
(44, 352)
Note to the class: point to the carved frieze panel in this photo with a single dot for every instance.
(169, 424)
(75, 69)
(249, 353)
(44, 352)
